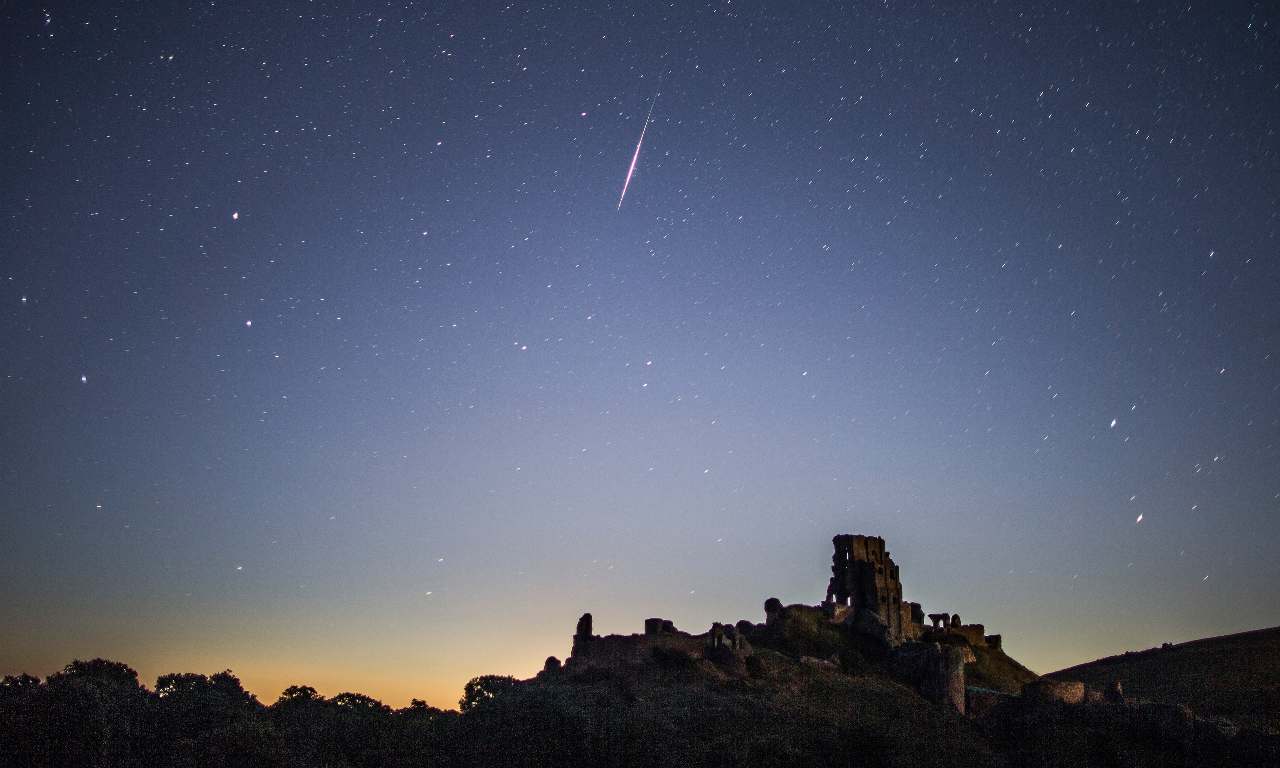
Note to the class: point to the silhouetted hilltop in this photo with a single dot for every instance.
(673, 707)
(1233, 676)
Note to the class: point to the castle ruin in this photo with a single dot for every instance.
(864, 597)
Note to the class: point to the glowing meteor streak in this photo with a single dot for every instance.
(636, 155)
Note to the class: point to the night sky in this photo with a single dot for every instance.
(327, 354)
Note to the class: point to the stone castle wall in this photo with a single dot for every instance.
(975, 634)
(590, 650)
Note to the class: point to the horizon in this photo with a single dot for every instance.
(399, 693)
(332, 352)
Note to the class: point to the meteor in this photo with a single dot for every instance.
(636, 155)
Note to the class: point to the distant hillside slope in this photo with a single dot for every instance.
(1233, 676)
(997, 671)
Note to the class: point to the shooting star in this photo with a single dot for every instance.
(636, 156)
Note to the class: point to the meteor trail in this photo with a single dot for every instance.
(636, 155)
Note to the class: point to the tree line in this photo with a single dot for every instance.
(97, 713)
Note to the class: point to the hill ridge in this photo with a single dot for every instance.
(1236, 676)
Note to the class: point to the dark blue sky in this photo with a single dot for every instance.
(326, 354)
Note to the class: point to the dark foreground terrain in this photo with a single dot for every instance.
(805, 697)
(1233, 676)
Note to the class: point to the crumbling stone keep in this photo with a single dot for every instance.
(865, 578)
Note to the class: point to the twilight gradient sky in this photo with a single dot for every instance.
(326, 355)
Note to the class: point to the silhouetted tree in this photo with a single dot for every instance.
(95, 713)
(305, 723)
(99, 672)
(363, 729)
(296, 694)
(212, 721)
(20, 699)
(420, 735)
(15, 685)
(484, 688)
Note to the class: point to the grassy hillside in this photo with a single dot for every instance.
(1233, 676)
(997, 670)
(673, 711)
(676, 709)
(804, 631)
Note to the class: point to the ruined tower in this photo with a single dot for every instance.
(864, 577)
